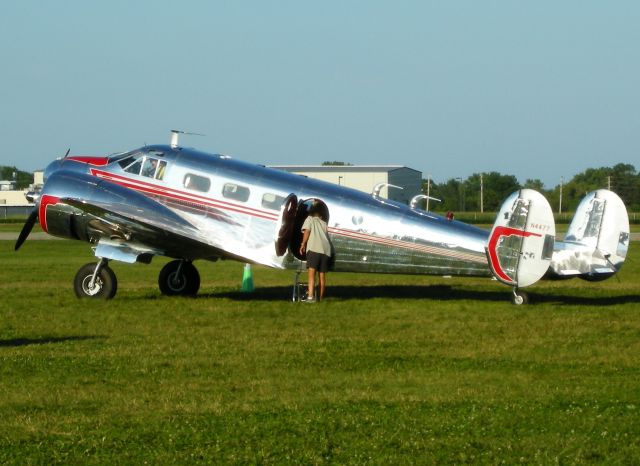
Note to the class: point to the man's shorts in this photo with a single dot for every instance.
(318, 261)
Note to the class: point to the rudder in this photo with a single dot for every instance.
(521, 243)
(597, 241)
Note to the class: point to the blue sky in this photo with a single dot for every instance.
(535, 89)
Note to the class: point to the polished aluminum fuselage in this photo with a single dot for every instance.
(369, 234)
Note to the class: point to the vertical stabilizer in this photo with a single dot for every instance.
(597, 240)
(521, 243)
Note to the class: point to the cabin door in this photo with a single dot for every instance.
(284, 227)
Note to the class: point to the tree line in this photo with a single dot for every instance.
(458, 195)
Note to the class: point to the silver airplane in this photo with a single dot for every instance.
(166, 200)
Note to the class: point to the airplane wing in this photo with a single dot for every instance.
(130, 234)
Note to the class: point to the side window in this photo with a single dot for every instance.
(149, 167)
(236, 192)
(197, 182)
(272, 201)
(161, 167)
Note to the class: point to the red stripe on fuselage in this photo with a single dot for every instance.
(407, 245)
(185, 196)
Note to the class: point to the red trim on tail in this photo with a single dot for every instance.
(498, 233)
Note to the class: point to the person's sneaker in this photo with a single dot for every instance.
(310, 299)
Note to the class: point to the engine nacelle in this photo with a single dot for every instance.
(78, 206)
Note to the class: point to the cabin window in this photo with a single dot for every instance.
(272, 201)
(162, 165)
(197, 182)
(547, 248)
(236, 192)
(149, 167)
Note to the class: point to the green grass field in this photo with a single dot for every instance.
(388, 370)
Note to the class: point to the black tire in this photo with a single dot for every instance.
(105, 286)
(520, 298)
(186, 284)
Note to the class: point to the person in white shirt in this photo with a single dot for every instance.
(317, 246)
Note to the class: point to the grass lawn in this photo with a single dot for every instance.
(16, 227)
(388, 370)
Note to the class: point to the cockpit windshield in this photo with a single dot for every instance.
(143, 164)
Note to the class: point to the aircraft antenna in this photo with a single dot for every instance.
(418, 197)
(176, 132)
(377, 188)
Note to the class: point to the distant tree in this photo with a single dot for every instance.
(496, 187)
(6, 173)
(623, 179)
(336, 163)
(23, 179)
(534, 184)
(448, 193)
(472, 192)
(464, 195)
(457, 194)
(625, 182)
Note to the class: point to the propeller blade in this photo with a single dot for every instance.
(26, 229)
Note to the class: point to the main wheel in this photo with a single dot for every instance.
(519, 298)
(104, 286)
(186, 282)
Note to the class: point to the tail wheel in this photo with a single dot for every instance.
(104, 286)
(520, 298)
(179, 278)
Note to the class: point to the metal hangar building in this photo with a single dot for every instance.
(365, 177)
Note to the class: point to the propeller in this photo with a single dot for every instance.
(32, 196)
(26, 229)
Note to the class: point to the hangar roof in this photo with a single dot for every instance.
(341, 168)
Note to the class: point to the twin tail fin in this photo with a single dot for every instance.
(597, 240)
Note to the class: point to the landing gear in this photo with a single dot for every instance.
(519, 297)
(179, 277)
(95, 281)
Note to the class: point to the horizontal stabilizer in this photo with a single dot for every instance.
(597, 240)
(521, 242)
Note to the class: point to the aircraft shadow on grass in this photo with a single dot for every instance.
(16, 342)
(427, 293)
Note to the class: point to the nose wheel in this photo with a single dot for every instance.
(179, 278)
(95, 281)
